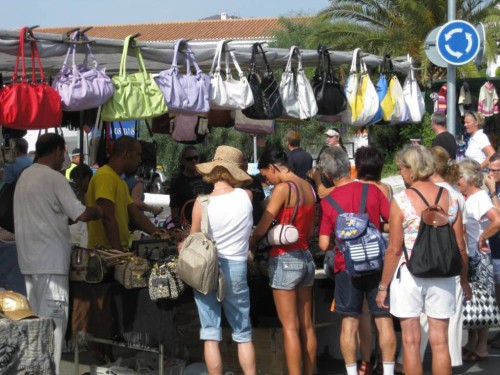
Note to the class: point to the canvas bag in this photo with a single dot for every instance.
(82, 88)
(185, 93)
(248, 125)
(413, 96)
(358, 239)
(198, 265)
(296, 92)
(136, 96)
(382, 86)
(361, 94)
(265, 89)
(228, 93)
(395, 99)
(435, 252)
(329, 94)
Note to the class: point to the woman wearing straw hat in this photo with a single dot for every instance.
(291, 267)
(229, 224)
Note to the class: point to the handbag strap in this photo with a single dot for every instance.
(204, 200)
(20, 56)
(253, 62)
(354, 65)
(216, 60)
(438, 197)
(297, 201)
(138, 55)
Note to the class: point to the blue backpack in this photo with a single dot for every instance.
(358, 239)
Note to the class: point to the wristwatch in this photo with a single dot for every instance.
(382, 288)
(492, 194)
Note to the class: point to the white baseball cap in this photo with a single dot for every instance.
(332, 133)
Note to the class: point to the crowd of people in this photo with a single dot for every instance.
(429, 309)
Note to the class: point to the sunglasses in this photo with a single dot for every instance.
(192, 158)
(472, 114)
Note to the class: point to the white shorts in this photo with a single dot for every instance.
(412, 296)
(496, 270)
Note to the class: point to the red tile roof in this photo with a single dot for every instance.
(204, 30)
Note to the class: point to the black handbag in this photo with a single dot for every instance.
(265, 89)
(435, 252)
(328, 91)
(7, 206)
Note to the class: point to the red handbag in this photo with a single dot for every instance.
(28, 104)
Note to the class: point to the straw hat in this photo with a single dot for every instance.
(230, 158)
(15, 306)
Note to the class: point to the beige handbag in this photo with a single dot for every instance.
(131, 273)
(86, 265)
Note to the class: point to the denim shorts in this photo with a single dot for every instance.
(236, 305)
(292, 269)
(351, 291)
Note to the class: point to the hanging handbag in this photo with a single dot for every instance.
(265, 90)
(29, 103)
(189, 129)
(161, 124)
(185, 93)
(328, 91)
(163, 281)
(361, 94)
(221, 118)
(382, 86)
(296, 92)
(136, 96)
(86, 265)
(285, 234)
(248, 125)
(131, 273)
(228, 93)
(82, 88)
(394, 100)
(413, 96)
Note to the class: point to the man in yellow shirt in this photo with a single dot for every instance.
(108, 190)
(75, 160)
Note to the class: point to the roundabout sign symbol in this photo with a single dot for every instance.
(457, 42)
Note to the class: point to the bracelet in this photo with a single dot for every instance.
(382, 288)
(492, 194)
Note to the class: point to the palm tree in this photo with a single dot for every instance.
(398, 26)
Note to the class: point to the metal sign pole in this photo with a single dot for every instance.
(451, 93)
(255, 149)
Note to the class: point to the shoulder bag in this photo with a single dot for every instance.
(296, 92)
(435, 252)
(413, 96)
(285, 234)
(82, 88)
(185, 93)
(328, 91)
(228, 93)
(29, 103)
(248, 125)
(136, 96)
(265, 89)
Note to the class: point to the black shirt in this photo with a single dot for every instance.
(185, 188)
(300, 161)
(447, 141)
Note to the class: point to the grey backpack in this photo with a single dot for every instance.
(198, 265)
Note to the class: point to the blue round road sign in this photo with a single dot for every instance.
(457, 42)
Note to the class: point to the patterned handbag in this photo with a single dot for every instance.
(86, 265)
(163, 280)
(131, 274)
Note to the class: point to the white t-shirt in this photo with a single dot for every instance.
(475, 147)
(230, 223)
(43, 202)
(476, 207)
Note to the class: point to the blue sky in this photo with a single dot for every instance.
(46, 13)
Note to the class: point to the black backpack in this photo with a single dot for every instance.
(435, 252)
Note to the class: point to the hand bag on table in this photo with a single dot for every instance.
(163, 281)
(29, 103)
(82, 88)
(296, 92)
(228, 93)
(155, 249)
(185, 93)
(265, 90)
(136, 96)
(86, 265)
(131, 273)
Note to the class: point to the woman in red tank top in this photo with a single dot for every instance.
(291, 267)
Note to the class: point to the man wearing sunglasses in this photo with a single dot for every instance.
(188, 185)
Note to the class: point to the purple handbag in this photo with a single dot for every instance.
(185, 93)
(82, 88)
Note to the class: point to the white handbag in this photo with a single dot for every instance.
(400, 113)
(413, 96)
(296, 92)
(361, 95)
(228, 93)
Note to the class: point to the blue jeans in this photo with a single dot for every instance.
(292, 269)
(236, 305)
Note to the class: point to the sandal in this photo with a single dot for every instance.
(365, 368)
(474, 357)
(399, 369)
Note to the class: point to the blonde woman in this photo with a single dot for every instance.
(479, 147)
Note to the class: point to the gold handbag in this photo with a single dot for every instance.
(86, 265)
(131, 273)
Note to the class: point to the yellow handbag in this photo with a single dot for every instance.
(137, 96)
(389, 102)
